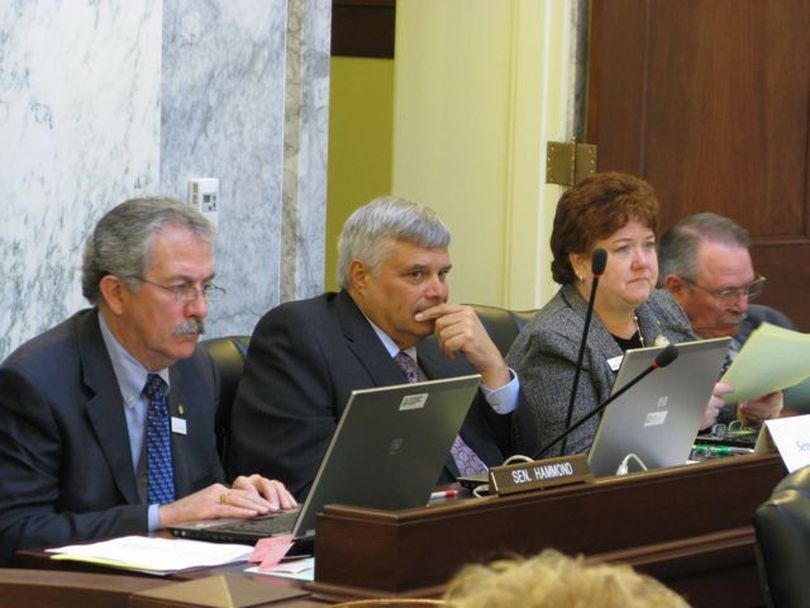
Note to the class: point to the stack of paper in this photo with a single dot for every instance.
(160, 556)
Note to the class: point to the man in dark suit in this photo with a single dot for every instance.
(306, 357)
(706, 266)
(106, 420)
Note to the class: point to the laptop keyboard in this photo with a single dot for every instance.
(268, 525)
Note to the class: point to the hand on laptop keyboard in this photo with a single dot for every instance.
(273, 491)
(249, 497)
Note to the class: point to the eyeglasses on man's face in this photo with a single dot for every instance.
(732, 295)
(189, 292)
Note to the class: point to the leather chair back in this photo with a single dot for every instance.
(783, 531)
(502, 325)
(229, 354)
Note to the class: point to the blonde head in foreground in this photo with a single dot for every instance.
(552, 579)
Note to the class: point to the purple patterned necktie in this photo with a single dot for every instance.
(466, 459)
(408, 366)
(159, 472)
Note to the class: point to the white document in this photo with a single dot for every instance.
(299, 569)
(791, 436)
(160, 556)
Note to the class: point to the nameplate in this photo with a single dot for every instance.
(231, 590)
(539, 474)
(791, 436)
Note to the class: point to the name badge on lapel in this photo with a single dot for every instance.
(615, 362)
(178, 425)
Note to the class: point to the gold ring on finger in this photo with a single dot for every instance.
(223, 498)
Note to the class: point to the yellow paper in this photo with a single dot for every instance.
(772, 359)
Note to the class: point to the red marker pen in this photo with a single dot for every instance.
(443, 494)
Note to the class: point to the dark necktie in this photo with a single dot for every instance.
(733, 349)
(159, 472)
(466, 459)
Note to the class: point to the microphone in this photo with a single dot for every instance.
(662, 359)
(598, 263)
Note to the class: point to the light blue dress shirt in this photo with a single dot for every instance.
(131, 377)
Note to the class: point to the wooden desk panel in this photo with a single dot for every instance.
(69, 589)
(33, 588)
(689, 526)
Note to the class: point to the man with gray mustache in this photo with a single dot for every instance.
(194, 327)
(706, 266)
(107, 420)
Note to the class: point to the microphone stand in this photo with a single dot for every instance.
(598, 262)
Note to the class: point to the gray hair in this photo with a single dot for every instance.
(369, 230)
(679, 246)
(121, 243)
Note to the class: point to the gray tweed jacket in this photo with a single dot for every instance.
(544, 355)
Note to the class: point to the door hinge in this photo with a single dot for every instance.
(569, 162)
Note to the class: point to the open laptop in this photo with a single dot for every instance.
(387, 453)
(658, 418)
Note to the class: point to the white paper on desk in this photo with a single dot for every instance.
(791, 436)
(300, 569)
(154, 555)
(772, 358)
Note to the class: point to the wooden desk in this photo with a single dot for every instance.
(689, 526)
(38, 580)
(68, 589)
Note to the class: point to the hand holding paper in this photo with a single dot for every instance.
(756, 411)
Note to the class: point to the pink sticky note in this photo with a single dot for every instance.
(269, 551)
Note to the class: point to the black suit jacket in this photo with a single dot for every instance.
(758, 314)
(66, 471)
(304, 360)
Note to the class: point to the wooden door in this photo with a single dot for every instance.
(709, 100)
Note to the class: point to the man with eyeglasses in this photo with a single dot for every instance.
(706, 265)
(107, 420)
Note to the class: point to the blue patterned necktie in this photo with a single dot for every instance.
(159, 472)
(466, 459)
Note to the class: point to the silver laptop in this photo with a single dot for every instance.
(387, 452)
(657, 419)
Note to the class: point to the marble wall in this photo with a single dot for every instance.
(102, 100)
(306, 121)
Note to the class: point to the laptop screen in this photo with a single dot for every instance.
(387, 452)
(657, 419)
(390, 446)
